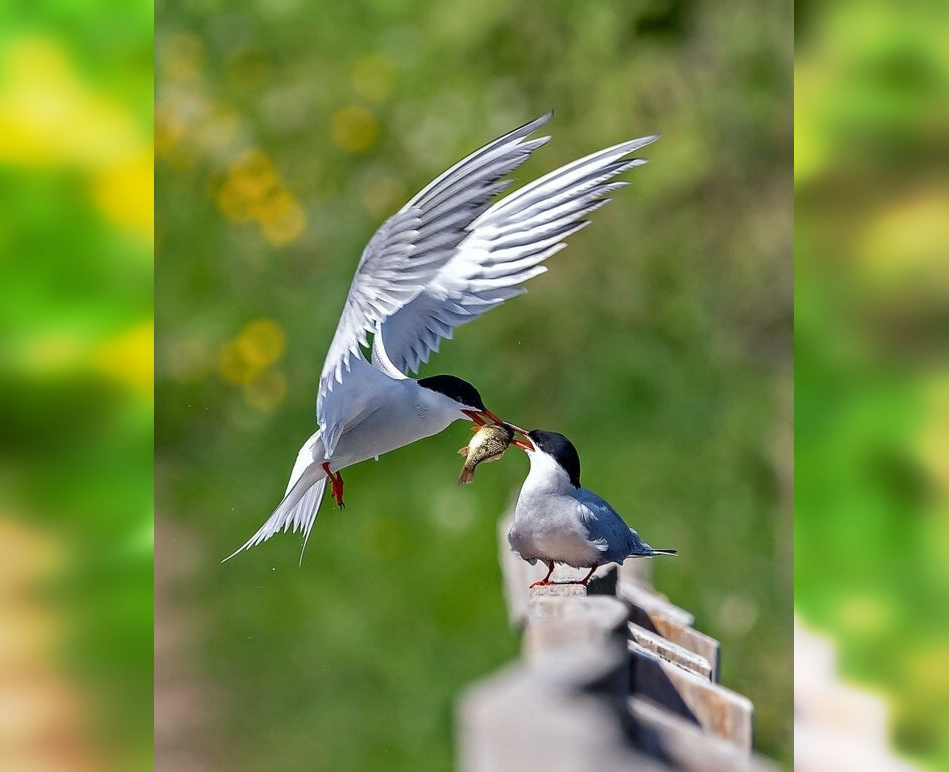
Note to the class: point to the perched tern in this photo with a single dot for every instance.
(558, 521)
(448, 256)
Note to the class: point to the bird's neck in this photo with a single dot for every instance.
(433, 404)
(547, 476)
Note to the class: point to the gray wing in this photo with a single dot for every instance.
(606, 528)
(408, 250)
(502, 248)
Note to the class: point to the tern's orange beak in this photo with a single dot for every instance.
(482, 417)
(525, 444)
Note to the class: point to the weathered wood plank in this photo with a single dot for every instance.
(671, 652)
(654, 602)
(563, 615)
(716, 709)
(653, 612)
(553, 716)
(675, 740)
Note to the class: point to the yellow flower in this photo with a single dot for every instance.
(258, 345)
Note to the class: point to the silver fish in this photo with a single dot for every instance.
(488, 444)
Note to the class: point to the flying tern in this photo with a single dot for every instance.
(446, 257)
(558, 521)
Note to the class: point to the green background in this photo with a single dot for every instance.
(871, 334)
(76, 391)
(660, 342)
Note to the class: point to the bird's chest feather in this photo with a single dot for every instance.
(548, 528)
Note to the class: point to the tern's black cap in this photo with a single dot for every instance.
(454, 388)
(562, 451)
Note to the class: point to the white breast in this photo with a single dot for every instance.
(547, 526)
(398, 413)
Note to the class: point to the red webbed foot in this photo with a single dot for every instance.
(336, 485)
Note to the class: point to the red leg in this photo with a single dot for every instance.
(546, 580)
(336, 481)
(586, 578)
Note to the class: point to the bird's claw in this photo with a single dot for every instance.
(336, 485)
(541, 583)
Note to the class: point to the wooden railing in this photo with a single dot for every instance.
(613, 677)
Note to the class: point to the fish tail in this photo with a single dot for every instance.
(466, 476)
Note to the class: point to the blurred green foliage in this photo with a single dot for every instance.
(76, 352)
(872, 532)
(660, 342)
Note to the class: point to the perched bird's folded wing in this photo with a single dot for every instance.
(503, 248)
(605, 528)
(407, 252)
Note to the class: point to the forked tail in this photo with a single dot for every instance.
(466, 476)
(297, 511)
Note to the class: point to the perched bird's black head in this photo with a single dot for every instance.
(455, 388)
(562, 451)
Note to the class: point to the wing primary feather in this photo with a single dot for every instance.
(411, 247)
(507, 244)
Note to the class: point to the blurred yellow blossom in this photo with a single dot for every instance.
(373, 77)
(282, 218)
(252, 190)
(130, 358)
(50, 117)
(125, 192)
(250, 178)
(127, 356)
(354, 128)
(259, 344)
(232, 366)
(262, 341)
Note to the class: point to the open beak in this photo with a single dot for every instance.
(524, 444)
(482, 418)
(479, 417)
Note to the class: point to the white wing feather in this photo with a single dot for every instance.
(504, 247)
(408, 250)
(297, 511)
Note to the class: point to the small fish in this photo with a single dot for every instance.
(488, 444)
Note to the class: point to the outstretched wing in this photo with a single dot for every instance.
(504, 247)
(410, 248)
